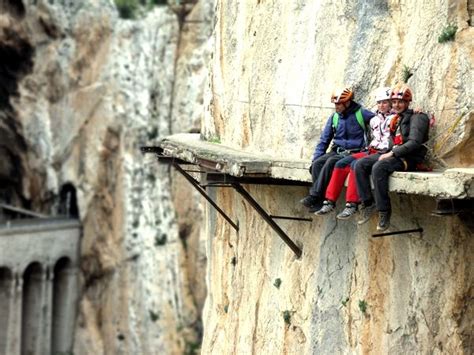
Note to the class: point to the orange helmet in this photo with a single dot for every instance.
(341, 96)
(401, 92)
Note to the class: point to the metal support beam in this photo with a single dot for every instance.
(446, 207)
(204, 194)
(218, 177)
(267, 218)
(377, 235)
(292, 218)
(216, 185)
(22, 211)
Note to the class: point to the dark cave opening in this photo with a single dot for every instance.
(13, 7)
(16, 55)
(68, 201)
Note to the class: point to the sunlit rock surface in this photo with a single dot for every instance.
(273, 68)
(82, 90)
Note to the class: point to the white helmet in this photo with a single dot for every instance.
(382, 93)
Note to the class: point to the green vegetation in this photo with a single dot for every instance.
(191, 348)
(363, 306)
(160, 240)
(287, 317)
(277, 283)
(129, 9)
(406, 73)
(448, 33)
(153, 316)
(344, 302)
(214, 139)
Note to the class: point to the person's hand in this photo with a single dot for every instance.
(386, 156)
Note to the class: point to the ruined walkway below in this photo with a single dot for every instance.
(456, 183)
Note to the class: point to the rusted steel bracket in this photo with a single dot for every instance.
(218, 179)
(204, 194)
(446, 207)
(267, 218)
(292, 218)
(417, 230)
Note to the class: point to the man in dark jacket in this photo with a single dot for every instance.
(346, 130)
(409, 131)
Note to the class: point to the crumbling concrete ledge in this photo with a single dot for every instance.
(457, 183)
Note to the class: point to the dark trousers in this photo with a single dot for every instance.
(321, 171)
(380, 171)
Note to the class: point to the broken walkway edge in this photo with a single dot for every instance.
(455, 183)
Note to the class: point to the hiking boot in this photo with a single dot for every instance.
(348, 212)
(328, 207)
(316, 207)
(384, 220)
(366, 213)
(309, 201)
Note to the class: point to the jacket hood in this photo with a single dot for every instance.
(353, 107)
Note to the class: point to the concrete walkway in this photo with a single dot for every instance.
(456, 183)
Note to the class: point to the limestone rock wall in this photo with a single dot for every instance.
(349, 293)
(272, 71)
(82, 90)
(275, 65)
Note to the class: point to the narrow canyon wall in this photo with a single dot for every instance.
(273, 67)
(81, 91)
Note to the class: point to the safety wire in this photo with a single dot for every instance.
(436, 147)
(446, 134)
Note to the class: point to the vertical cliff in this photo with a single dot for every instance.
(273, 68)
(81, 90)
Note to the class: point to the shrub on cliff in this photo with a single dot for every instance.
(129, 9)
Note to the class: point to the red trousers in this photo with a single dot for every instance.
(338, 178)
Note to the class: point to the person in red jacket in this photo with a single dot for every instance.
(345, 133)
(380, 143)
(409, 131)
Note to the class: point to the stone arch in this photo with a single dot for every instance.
(6, 284)
(64, 303)
(31, 308)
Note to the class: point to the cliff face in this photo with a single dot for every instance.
(273, 68)
(81, 91)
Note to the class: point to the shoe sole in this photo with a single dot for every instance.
(380, 229)
(344, 217)
(364, 221)
(322, 214)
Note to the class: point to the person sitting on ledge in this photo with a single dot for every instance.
(380, 143)
(345, 128)
(409, 131)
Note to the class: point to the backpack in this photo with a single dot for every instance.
(359, 117)
(360, 120)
